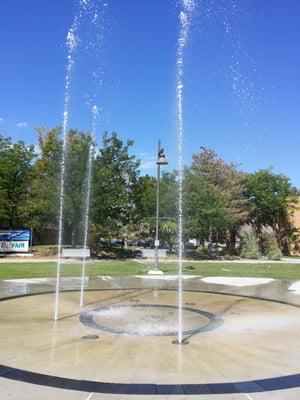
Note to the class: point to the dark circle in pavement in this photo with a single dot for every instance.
(88, 318)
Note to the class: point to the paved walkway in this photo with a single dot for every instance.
(284, 260)
(235, 261)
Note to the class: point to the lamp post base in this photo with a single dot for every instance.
(155, 272)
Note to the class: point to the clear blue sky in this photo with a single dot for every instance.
(242, 77)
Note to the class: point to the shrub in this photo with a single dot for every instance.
(201, 253)
(270, 244)
(248, 242)
(117, 253)
(112, 249)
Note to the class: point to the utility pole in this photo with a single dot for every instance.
(161, 160)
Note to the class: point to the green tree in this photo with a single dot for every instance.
(272, 198)
(214, 195)
(16, 174)
(78, 147)
(115, 176)
(145, 198)
(47, 182)
(204, 208)
(168, 196)
(168, 230)
(144, 192)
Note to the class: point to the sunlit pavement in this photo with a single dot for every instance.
(243, 336)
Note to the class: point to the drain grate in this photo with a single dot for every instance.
(184, 342)
(90, 337)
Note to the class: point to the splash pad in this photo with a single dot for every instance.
(121, 342)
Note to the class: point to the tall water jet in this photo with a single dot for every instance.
(187, 7)
(95, 114)
(71, 43)
(96, 13)
(90, 14)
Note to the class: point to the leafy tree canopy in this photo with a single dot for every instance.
(115, 176)
(16, 172)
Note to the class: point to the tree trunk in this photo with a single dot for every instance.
(210, 242)
(230, 241)
(73, 239)
(227, 239)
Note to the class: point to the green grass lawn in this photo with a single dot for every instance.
(48, 269)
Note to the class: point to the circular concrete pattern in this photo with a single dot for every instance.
(149, 320)
(257, 348)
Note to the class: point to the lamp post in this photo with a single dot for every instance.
(161, 160)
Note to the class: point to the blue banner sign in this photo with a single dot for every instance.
(15, 241)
